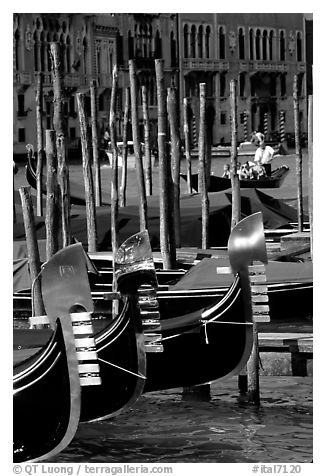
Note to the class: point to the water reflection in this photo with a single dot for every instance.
(164, 428)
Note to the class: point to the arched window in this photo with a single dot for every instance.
(222, 84)
(221, 39)
(283, 84)
(68, 60)
(265, 45)
(35, 51)
(282, 46)
(207, 41)
(158, 45)
(48, 39)
(251, 44)
(42, 51)
(130, 46)
(85, 51)
(185, 41)
(193, 42)
(270, 42)
(299, 47)
(257, 44)
(144, 39)
(242, 84)
(173, 50)
(17, 50)
(241, 44)
(200, 42)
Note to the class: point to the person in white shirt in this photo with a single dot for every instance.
(264, 155)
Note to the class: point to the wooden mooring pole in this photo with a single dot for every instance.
(235, 184)
(172, 108)
(166, 244)
(310, 169)
(88, 178)
(40, 143)
(147, 155)
(298, 152)
(96, 163)
(202, 176)
(114, 184)
(187, 143)
(60, 129)
(123, 183)
(51, 211)
(32, 250)
(137, 148)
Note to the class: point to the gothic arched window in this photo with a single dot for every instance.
(207, 41)
(299, 47)
(185, 41)
(257, 44)
(282, 46)
(251, 44)
(264, 45)
(271, 39)
(221, 40)
(200, 42)
(241, 44)
(36, 66)
(193, 42)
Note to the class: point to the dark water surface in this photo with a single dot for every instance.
(163, 428)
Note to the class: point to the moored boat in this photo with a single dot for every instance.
(218, 184)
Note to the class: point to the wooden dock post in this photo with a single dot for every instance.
(88, 177)
(40, 143)
(167, 250)
(32, 250)
(310, 168)
(137, 148)
(298, 152)
(96, 164)
(187, 143)
(60, 129)
(123, 183)
(114, 184)
(202, 176)
(51, 212)
(235, 184)
(148, 160)
(172, 108)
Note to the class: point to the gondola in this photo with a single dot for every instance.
(108, 386)
(77, 190)
(217, 184)
(194, 284)
(215, 341)
(47, 385)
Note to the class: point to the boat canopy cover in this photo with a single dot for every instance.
(204, 275)
(276, 214)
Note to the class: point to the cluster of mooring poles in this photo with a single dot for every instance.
(57, 213)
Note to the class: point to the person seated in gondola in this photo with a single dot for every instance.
(257, 172)
(244, 171)
(226, 171)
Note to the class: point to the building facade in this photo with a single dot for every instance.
(262, 52)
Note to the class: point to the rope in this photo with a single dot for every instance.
(123, 369)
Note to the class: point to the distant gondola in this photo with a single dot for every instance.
(217, 184)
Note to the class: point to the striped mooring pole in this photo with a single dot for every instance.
(265, 124)
(282, 126)
(194, 131)
(245, 126)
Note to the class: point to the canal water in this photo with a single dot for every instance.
(163, 428)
